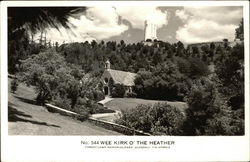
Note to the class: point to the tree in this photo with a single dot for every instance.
(231, 74)
(23, 21)
(199, 103)
(164, 83)
(198, 68)
(38, 18)
(157, 58)
(180, 49)
(195, 49)
(51, 76)
(14, 85)
(212, 46)
(209, 112)
(239, 32)
(183, 65)
(225, 40)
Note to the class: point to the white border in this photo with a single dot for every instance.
(68, 148)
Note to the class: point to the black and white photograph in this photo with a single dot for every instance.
(126, 70)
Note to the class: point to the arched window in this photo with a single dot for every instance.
(106, 80)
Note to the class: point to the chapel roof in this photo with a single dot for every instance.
(122, 77)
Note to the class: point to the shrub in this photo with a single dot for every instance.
(168, 119)
(118, 90)
(98, 95)
(161, 119)
(131, 94)
(209, 114)
(14, 85)
(137, 118)
(236, 102)
(89, 94)
(96, 109)
(62, 103)
(198, 68)
(79, 108)
(84, 113)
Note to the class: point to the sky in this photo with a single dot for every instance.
(185, 24)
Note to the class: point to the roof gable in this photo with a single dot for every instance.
(122, 77)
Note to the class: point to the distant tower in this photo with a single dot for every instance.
(150, 31)
(107, 65)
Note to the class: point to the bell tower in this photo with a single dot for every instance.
(107, 65)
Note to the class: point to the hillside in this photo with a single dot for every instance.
(27, 118)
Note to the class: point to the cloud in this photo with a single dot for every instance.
(182, 15)
(137, 15)
(96, 24)
(205, 24)
(100, 23)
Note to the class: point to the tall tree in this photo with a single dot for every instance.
(239, 32)
(25, 20)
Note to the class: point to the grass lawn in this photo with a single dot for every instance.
(129, 103)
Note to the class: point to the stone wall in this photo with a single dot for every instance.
(105, 124)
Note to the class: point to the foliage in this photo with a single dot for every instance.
(39, 18)
(91, 106)
(231, 75)
(208, 113)
(159, 119)
(98, 95)
(118, 90)
(14, 85)
(239, 32)
(23, 22)
(164, 83)
(62, 102)
(198, 68)
(51, 76)
(131, 94)
(18, 49)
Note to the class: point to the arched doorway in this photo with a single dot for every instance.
(106, 90)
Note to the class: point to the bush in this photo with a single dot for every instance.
(198, 68)
(167, 119)
(131, 94)
(209, 114)
(98, 95)
(14, 85)
(161, 119)
(96, 109)
(137, 118)
(84, 113)
(236, 102)
(79, 108)
(62, 103)
(118, 90)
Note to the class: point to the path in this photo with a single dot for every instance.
(26, 118)
(105, 100)
(107, 116)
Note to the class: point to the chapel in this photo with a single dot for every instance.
(111, 77)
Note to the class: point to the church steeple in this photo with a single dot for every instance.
(107, 65)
